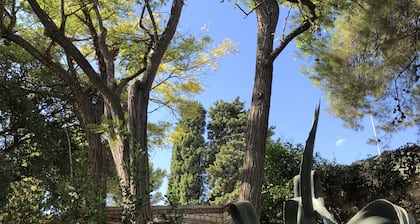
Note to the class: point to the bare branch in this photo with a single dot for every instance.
(149, 44)
(285, 22)
(63, 16)
(95, 40)
(163, 104)
(302, 28)
(170, 76)
(305, 25)
(152, 18)
(252, 10)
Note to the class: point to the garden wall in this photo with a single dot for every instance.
(193, 214)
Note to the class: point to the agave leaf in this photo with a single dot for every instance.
(305, 172)
(381, 211)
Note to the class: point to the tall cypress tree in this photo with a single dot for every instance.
(226, 135)
(186, 177)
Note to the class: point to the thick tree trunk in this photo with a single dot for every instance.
(257, 124)
(97, 171)
(119, 147)
(138, 99)
(91, 114)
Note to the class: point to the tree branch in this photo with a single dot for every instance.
(163, 43)
(248, 13)
(302, 28)
(63, 16)
(78, 99)
(52, 31)
(152, 18)
(305, 25)
(124, 81)
(149, 42)
(95, 40)
(108, 56)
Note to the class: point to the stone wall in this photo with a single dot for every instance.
(193, 214)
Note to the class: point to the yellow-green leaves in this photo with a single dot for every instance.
(186, 60)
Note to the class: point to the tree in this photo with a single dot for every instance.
(186, 181)
(282, 163)
(41, 141)
(368, 61)
(104, 45)
(267, 13)
(226, 129)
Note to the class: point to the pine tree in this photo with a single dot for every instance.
(226, 135)
(368, 64)
(186, 178)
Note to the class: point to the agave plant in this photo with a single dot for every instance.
(307, 206)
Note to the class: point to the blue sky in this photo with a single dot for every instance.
(293, 96)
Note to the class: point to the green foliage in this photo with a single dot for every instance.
(226, 135)
(187, 166)
(367, 62)
(25, 202)
(38, 128)
(156, 181)
(282, 163)
(220, 158)
(7, 176)
(388, 176)
(176, 215)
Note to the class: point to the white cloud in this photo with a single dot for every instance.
(205, 28)
(340, 142)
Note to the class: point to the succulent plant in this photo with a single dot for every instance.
(307, 206)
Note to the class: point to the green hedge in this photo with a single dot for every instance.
(389, 176)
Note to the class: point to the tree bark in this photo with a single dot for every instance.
(257, 124)
(267, 13)
(138, 100)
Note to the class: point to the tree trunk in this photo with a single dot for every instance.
(97, 171)
(267, 16)
(88, 113)
(138, 100)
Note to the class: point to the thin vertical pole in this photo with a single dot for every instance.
(376, 136)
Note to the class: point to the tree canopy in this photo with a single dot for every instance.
(113, 57)
(367, 62)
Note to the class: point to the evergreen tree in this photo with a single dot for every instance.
(368, 63)
(186, 177)
(226, 133)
